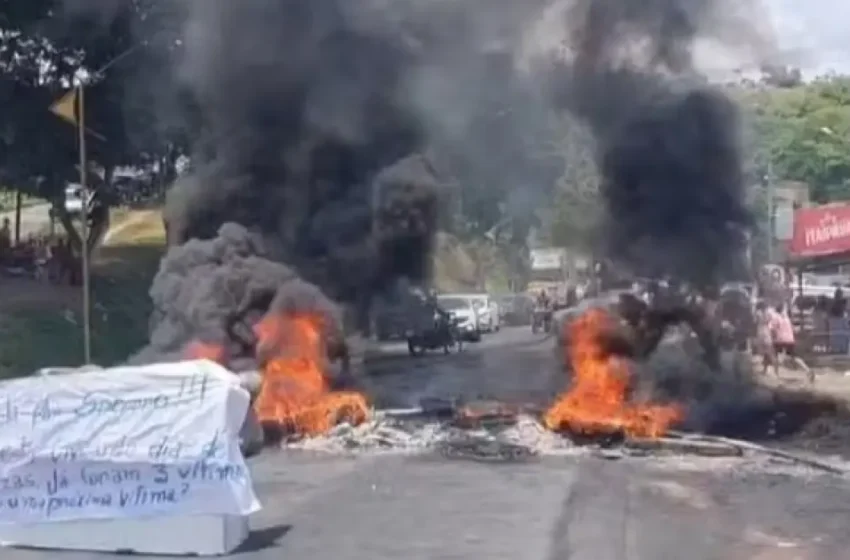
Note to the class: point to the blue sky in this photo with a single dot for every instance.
(815, 33)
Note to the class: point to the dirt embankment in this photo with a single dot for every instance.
(41, 323)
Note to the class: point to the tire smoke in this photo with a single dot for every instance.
(668, 146)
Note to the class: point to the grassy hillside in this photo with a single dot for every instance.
(41, 324)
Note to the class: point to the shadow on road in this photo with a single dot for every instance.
(262, 539)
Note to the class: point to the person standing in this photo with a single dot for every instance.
(5, 236)
(763, 343)
(784, 341)
(543, 301)
(820, 324)
(838, 340)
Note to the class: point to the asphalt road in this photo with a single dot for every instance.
(385, 507)
(511, 365)
(398, 348)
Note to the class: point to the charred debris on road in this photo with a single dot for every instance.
(494, 432)
(601, 411)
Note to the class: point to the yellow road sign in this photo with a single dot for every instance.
(67, 107)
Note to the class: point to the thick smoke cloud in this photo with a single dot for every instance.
(672, 183)
(215, 291)
(314, 118)
(305, 140)
(309, 123)
(668, 143)
(299, 112)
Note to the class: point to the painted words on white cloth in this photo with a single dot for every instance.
(125, 442)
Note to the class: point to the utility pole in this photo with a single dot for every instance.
(84, 226)
(771, 210)
(19, 202)
(71, 108)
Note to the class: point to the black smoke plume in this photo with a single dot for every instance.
(672, 181)
(311, 134)
(668, 143)
(215, 291)
(304, 142)
(299, 112)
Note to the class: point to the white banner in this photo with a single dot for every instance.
(547, 259)
(123, 442)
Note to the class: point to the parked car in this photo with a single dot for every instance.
(462, 309)
(489, 319)
(74, 199)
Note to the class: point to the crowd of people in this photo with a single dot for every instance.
(47, 258)
(831, 324)
(732, 319)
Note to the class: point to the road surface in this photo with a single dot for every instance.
(392, 507)
(34, 219)
(511, 365)
(398, 348)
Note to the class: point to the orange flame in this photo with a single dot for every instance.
(198, 350)
(596, 403)
(295, 394)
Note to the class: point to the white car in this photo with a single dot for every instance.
(73, 199)
(489, 318)
(462, 309)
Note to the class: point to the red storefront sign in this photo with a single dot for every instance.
(819, 231)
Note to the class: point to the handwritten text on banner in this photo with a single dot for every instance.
(123, 442)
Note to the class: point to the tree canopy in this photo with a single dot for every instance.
(803, 132)
(45, 48)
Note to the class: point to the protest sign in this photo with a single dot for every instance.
(123, 442)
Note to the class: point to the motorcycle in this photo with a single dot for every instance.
(443, 334)
(541, 320)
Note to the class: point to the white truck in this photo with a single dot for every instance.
(550, 271)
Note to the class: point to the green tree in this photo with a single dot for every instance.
(804, 131)
(43, 47)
